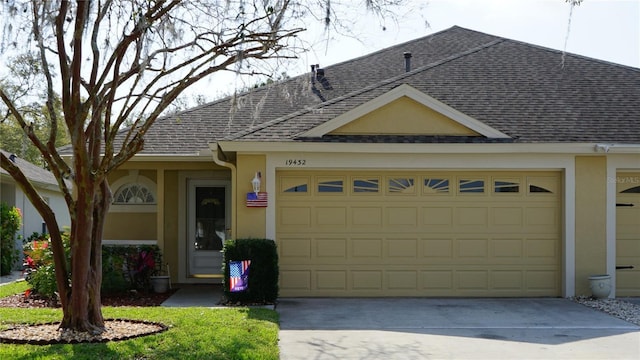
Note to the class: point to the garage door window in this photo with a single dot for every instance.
(365, 185)
(471, 186)
(293, 185)
(503, 186)
(436, 186)
(401, 186)
(330, 186)
(633, 190)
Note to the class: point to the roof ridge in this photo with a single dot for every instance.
(365, 89)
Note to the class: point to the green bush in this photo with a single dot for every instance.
(263, 271)
(39, 265)
(10, 219)
(127, 267)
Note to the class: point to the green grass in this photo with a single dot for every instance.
(12, 288)
(194, 333)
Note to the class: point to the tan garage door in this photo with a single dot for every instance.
(628, 234)
(398, 233)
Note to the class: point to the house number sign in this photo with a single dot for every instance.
(295, 162)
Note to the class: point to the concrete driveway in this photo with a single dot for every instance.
(414, 328)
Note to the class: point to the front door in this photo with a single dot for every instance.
(207, 224)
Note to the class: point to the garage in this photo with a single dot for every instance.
(419, 233)
(628, 234)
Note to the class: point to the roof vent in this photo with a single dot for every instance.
(13, 157)
(319, 74)
(407, 61)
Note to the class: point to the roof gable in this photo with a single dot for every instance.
(404, 110)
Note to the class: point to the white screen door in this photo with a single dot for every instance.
(207, 223)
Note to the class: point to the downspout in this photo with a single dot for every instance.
(216, 150)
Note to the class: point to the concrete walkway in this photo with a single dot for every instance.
(195, 295)
(412, 328)
(14, 276)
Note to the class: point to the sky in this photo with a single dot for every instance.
(603, 29)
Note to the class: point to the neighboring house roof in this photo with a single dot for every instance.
(528, 93)
(33, 172)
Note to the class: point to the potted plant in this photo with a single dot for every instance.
(160, 279)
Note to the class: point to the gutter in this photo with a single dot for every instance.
(617, 148)
(216, 152)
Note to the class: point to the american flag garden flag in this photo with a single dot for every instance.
(257, 200)
(239, 275)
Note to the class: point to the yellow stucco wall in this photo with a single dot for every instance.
(591, 195)
(250, 222)
(404, 116)
(130, 226)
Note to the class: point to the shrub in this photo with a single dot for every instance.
(39, 265)
(263, 271)
(10, 219)
(127, 267)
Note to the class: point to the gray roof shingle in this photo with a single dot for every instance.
(531, 93)
(33, 172)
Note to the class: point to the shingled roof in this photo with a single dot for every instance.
(33, 172)
(531, 93)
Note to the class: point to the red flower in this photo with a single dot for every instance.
(30, 262)
(27, 293)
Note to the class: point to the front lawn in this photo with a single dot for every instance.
(194, 333)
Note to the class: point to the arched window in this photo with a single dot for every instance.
(133, 194)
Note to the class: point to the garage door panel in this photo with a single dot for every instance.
(542, 281)
(507, 216)
(331, 217)
(295, 216)
(294, 248)
(399, 249)
(507, 280)
(472, 250)
(370, 280)
(472, 280)
(405, 217)
(402, 279)
(474, 217)
(437, 218)
(436, 280)
(331, 249)
(420, 240)
(438, 248)
(369, 217)
(628, 233)
(331, 280)
(507, 249)
(367, 249)
(295, 280)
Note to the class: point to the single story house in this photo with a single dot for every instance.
(457, 164)
(46, 185)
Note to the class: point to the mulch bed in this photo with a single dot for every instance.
(115, 329)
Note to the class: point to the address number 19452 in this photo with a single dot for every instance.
(295, 162)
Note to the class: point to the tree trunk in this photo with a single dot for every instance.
(83, 311)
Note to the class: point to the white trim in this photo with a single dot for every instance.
(260, 147)
(414, 94)
(129, 242)
(569, 230)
